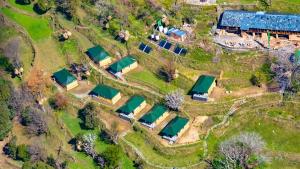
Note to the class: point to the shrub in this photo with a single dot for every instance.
(67, 7)
(5, 120)
(23, 152)
(89, 117)
(6, 65)
(60, 101)
(26, 117)
(112, 156)
(10, 149)
(5, 114)
(255, 81)
(42, 6)
(51, 161)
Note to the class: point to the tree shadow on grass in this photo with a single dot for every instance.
(21, 2)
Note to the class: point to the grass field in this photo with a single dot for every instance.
(150, 79)
(73, 124)
(37, 27)
(166, 157)
(288, 6)
(280, 135)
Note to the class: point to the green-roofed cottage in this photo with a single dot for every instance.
(99, 55)
(155, 116)
(106, 93)
(124, 65)
(297, 57)
(133, 106)
(64, 78)
(174, 129)
(203, 87)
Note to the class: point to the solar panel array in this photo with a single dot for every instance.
(165, 44)
(180, 51)
(145, 48)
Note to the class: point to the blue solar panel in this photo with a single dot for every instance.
(183, 52)
(147, 49)
(177, 50)
(142, 46)
(180, 51)
(168, 45)
(162, 43)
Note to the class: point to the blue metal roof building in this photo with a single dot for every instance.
(246, 20)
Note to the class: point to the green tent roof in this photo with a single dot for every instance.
(203, 84)
(174, 126)
(156, 112)
(97, 53)
(297, 54)
(121, 64)
(104, 91)
(64, 77)
(131, 105)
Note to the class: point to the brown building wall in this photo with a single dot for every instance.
(140, 108)
(186, 127)
(129, 68)
(72, 85)
(105, 62)
(114, 100)
(161, 118)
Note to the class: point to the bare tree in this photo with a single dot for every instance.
(169, 71)
(37, 124)
(238, 149)
(174, 99)
(20, 99)
(38, 83)
(86, 143)
(36, 153)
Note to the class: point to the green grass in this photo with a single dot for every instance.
(70, 49)
(290, 6)
(283, 163)
(277, 135)
(84, 162)
(150, 79)
(38, 28)
(72, 123)
(26, 56)
(6, 33)
(168, 157)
